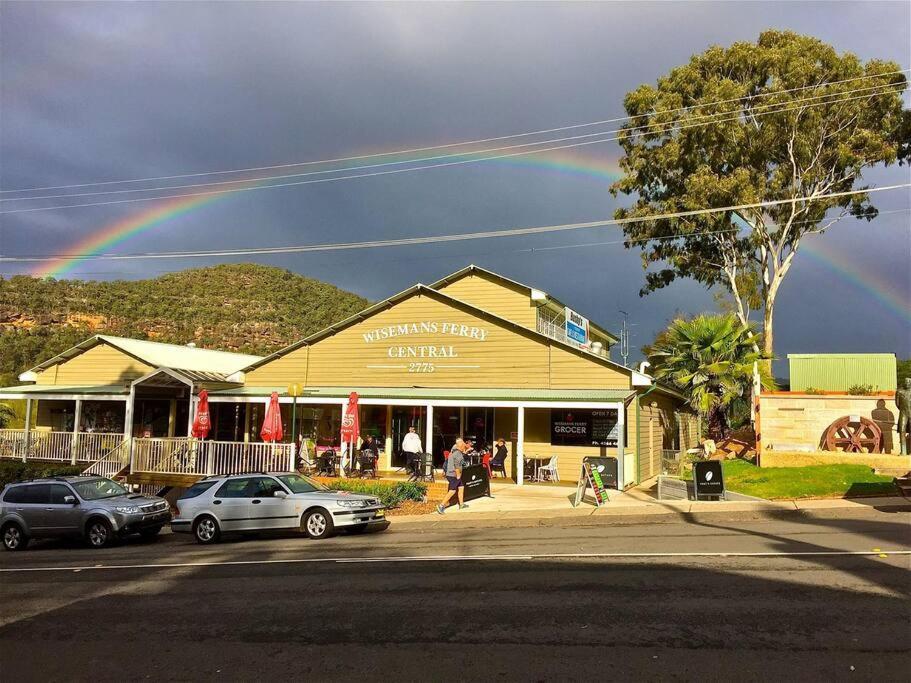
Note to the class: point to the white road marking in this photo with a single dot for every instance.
(455, 558)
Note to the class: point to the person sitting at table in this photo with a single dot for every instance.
(369, 453)
(498, 462)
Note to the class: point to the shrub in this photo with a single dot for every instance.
(812, 390)
(391, 494)
(13, 470)
(861, 390)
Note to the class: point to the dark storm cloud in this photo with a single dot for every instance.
(115, 90)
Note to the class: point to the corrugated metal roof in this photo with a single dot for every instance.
(841, 371)
(158, 354)
(479, 394)
(37, 389)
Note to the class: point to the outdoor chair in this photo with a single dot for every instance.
(498, 466)
(549, 471)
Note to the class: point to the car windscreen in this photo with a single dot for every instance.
(198, 488)
(94, 489)
(298, 484)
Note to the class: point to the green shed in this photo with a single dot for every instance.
(841, 371)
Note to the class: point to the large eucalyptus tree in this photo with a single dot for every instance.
(784, 118)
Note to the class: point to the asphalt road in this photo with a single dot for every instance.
(799, 597)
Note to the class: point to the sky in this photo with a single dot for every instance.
(108, 91)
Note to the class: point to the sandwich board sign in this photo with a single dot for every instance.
(597, 474)
(708, 479)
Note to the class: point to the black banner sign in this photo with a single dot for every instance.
(708, 478)
(569, 427)
(476, 481)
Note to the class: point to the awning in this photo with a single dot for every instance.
(52, 390)
(334, 394)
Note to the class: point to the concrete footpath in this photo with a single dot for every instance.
(511, 502)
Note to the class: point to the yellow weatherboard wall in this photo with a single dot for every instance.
(497, 297)
(460, 349)
(423, 341)
(98, 365)
(283, 370)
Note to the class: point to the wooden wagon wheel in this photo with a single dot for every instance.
(850, 436)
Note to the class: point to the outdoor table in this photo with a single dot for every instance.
(535, 464)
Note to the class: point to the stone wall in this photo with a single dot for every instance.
(797, 422)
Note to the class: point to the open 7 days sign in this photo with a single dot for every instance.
(406, 347)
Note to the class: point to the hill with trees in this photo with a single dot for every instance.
(246, 307)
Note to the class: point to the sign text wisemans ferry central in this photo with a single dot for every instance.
(444, 329)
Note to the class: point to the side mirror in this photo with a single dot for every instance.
(279, 494)
(69, 500)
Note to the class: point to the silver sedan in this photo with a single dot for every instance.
(271, 501)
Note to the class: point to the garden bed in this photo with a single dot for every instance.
(814, 481)
(15, 470)
(399, 497)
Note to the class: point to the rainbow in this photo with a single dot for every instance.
(105, 238)
(885, 292)
(112, 234)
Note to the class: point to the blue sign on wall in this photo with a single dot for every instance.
(576, 326)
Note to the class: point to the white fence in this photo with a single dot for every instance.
(190, 456)
(112, 463)
(56, 446)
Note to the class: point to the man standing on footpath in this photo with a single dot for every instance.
(454, 464)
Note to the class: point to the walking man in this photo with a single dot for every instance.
(454, 466)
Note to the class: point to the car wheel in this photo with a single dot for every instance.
(98, 533)
(14, 538)
(318, 523)
(151, 532)
(206, 530)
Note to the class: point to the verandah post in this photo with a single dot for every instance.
(520, 445)
(28, 428)
(77, 418)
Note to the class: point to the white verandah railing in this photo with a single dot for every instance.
(57, 446)
(183, 455)
(112, 463)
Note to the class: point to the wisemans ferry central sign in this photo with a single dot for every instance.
(444, 335)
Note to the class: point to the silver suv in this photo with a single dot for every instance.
(266, 501)
(94, 508)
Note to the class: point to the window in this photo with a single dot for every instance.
(578, 427)
(233, 488)
(197, 489)
(248, 487)
(299, 484)
(14, 494)
(35, 494)
(95, 489)
(58, 493)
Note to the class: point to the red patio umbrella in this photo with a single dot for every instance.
(351, 424)
(202, 422)
(272, 423)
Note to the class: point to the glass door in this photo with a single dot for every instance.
(404, 417)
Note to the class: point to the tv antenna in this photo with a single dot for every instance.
(624, 337)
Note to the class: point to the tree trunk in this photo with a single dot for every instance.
(717, 427)
(768, 338)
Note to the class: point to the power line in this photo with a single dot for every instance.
(414, 150)
(398, 170)
(511, 232)
(635, 131)
(524, 250)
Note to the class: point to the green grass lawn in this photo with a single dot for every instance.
(816, 481)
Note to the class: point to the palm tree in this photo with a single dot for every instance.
(711, 358)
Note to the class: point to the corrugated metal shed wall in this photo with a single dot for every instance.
(841, 371)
